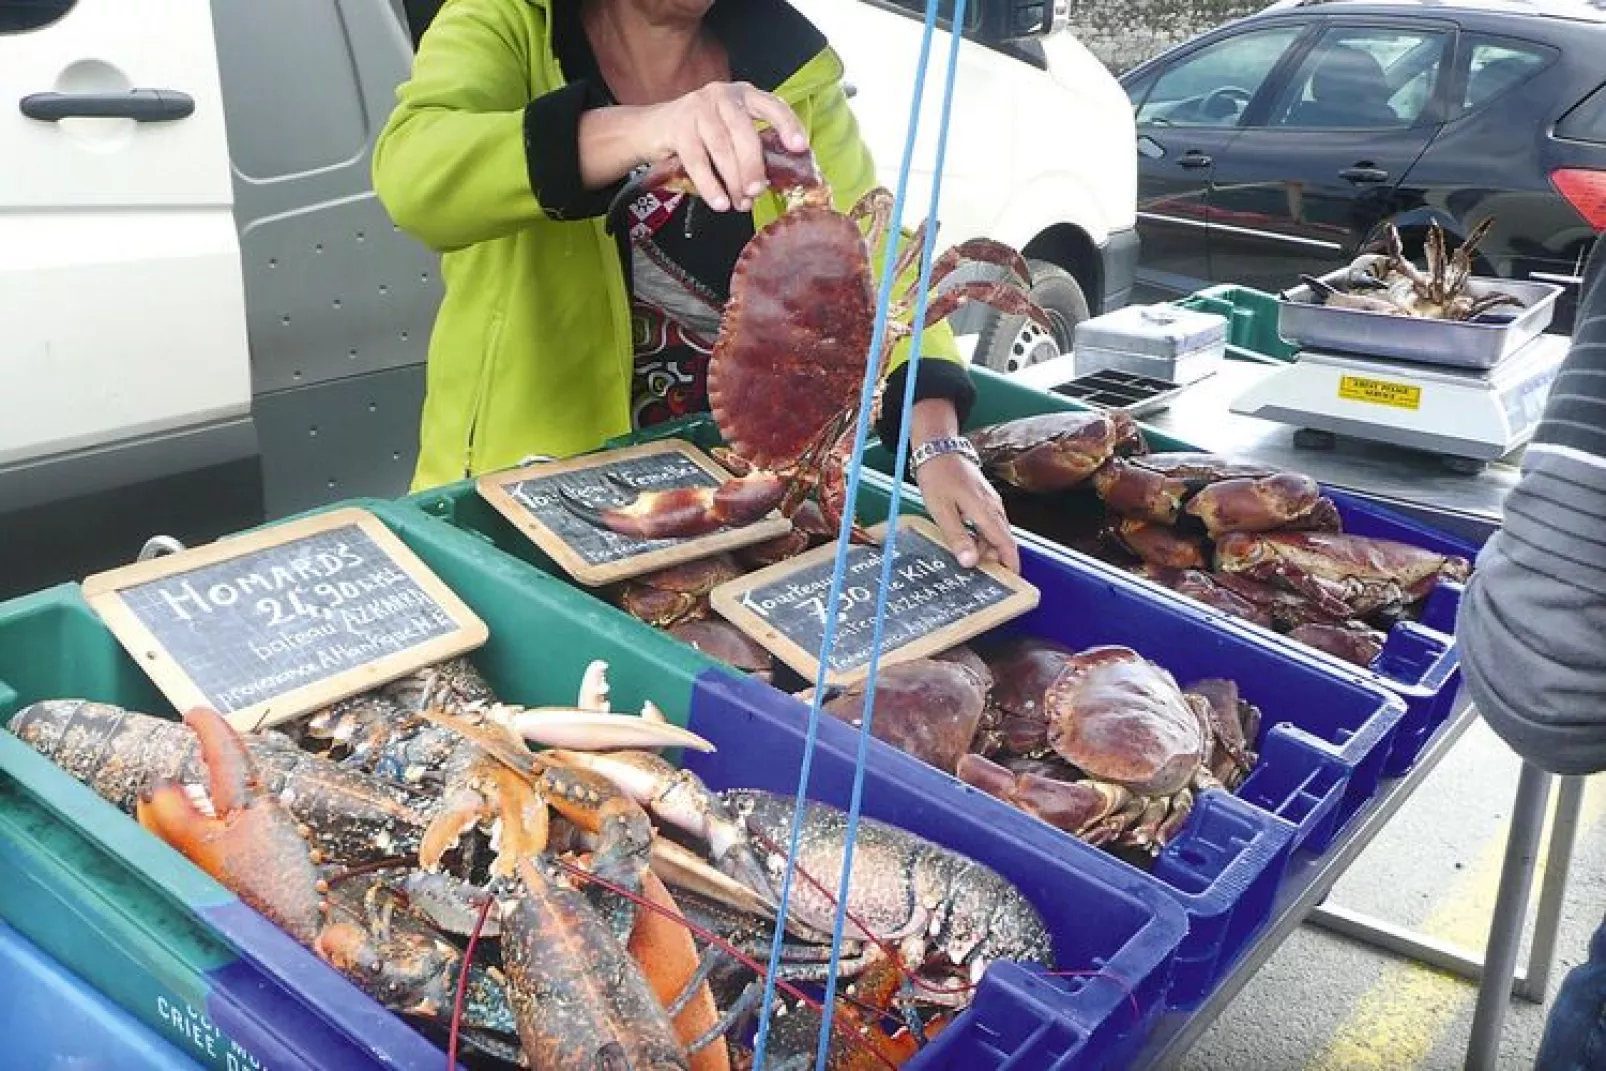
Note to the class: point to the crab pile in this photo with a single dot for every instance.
(1390, 284)
(1253, 541)
(1101, 743)
(585, 904)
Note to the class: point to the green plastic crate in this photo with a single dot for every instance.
(1252, 317)
(160, 938)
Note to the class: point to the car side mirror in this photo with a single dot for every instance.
(1012, 20)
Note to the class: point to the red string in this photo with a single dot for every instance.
(715, 939)
(462, 985)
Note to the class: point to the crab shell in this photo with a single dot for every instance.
(927, 707)
(795, 337)
(1221, 494)
(679, 592)
(1022, 668)
(725, 642)
(1347, 575)
(1120, 718)
(1055, 451)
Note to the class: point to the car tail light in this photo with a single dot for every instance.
(1585, 190)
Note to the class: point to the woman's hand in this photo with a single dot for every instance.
(711, 130)
(962, 502)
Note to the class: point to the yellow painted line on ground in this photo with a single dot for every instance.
(1396, 1023)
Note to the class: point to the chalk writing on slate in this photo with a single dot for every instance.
(933, 603)
(595, 544)
(594, 554)
(277, 617)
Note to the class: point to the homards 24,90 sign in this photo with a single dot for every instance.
(278, 622)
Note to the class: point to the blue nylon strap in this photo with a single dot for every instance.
(844, 535)
(889, 548)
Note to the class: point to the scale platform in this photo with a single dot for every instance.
(1468, 416)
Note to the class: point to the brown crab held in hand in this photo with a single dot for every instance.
(788, 367)
(1055, 451)
(1347, 576)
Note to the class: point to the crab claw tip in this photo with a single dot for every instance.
(585, 730)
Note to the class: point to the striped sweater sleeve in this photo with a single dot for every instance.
(1532, 625)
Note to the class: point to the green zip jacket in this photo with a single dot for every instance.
(532, 349)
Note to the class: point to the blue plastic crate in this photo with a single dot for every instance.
(51, 1020)
(1100, 910)
(1419, 661)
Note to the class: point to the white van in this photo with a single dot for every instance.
(209, 319)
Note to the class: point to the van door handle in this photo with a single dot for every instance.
(1195, 160)
(1364, 174)
(140, 105)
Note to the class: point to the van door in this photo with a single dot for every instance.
(120, 290)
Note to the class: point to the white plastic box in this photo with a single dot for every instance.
(1161, 341)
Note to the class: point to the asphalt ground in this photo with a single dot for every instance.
(1324, 1002)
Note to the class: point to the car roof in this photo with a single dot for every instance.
(1579, 10)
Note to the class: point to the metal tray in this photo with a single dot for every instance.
(1409, 338)
(1114, 389)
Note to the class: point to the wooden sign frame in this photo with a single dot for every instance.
(726, 599)
(104, 593)
(495, 489)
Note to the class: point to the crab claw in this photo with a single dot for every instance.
(251, 845)
(679, 798)
(685, 512)
(595, 730)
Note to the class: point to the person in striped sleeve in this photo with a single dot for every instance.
(1532, 625)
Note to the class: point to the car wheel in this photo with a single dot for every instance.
(1010, 343)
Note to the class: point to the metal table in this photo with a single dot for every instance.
(1468, 504)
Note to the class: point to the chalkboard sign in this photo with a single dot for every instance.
(935, 603)
(594, 555)
(276, 623)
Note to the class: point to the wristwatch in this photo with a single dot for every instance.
(953, 444)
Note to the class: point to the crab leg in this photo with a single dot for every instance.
(685, 511)
(794, 174)
(1001, 296)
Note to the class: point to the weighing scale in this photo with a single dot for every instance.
(1469, 416)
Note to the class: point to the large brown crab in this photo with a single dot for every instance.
(785, 377)
(1055, 451)
(1126, 747)
(1346, 575)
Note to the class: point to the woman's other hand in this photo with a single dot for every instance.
(959, 497)
(711, 130)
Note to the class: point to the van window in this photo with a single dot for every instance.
(20, 16)
(1497, 65)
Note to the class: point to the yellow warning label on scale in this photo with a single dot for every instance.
(1380, 392)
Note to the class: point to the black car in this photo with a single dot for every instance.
(1285, 142)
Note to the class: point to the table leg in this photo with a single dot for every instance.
(1531, 985)
(1511, 906)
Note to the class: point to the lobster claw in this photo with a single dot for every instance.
(252, 846)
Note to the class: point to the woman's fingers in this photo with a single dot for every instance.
(969, 512)
(775, 111)
(946, 513)
(750, 178)
(716, 139)
(694, 158)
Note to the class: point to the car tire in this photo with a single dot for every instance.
(1009, 343)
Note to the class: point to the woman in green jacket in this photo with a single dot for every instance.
(522, 121)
